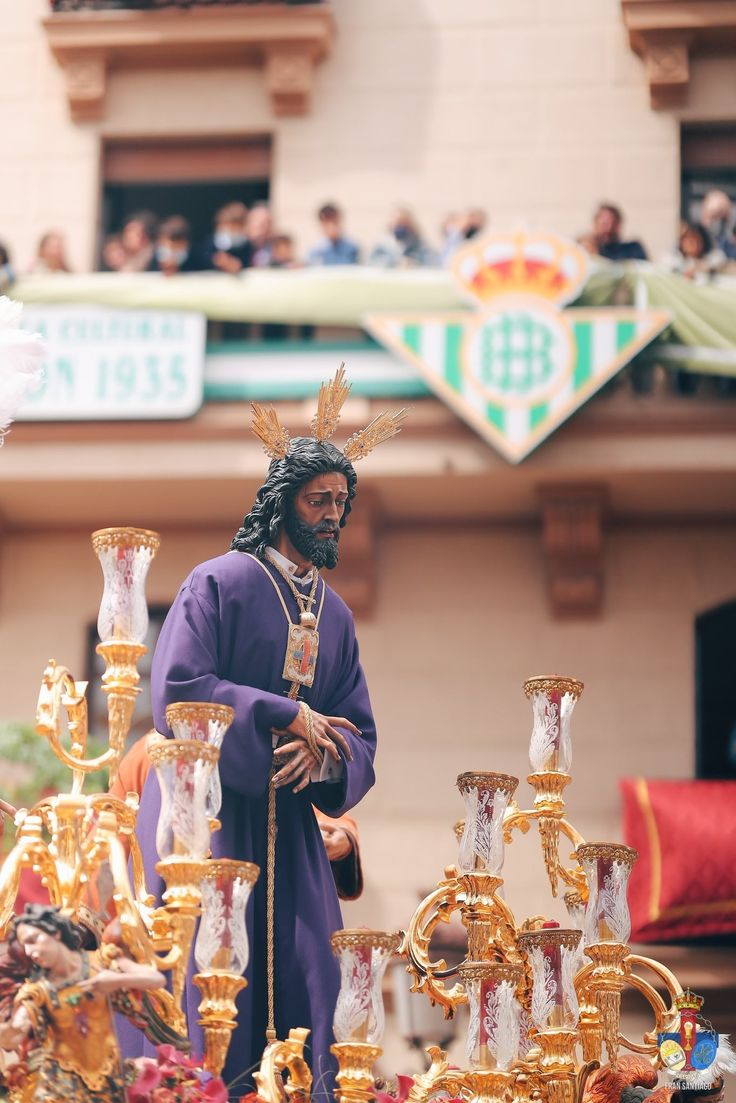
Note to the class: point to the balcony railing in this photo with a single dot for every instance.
(157, 5)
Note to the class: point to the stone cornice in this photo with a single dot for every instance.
(666, 33)
(285, 41)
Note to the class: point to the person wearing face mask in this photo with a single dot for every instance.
(228, 249)
(717, 217)
(174, 253)
(402, 246)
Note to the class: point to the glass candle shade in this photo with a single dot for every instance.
(363, 957)
(222, 938)
(184, 770)
(486, 798)
(607, 867)
(125, 555)
(494, 1024)
(576, 914)
(206, 723)
(553, 700)
(553, 956)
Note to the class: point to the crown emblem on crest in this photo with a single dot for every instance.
(689, 1001)
(276, 440)
(538, 264)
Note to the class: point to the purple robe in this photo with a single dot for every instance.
(224, 640)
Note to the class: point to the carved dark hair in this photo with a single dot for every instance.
(50, 920)
(306, 459)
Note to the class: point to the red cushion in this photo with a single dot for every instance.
(683, 884)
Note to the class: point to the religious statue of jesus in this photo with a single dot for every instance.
(259, 629)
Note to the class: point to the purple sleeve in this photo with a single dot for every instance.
(185, 669)
(352, 702)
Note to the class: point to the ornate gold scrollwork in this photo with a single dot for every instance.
(429, 976)
(280, 1058)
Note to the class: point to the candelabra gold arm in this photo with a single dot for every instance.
(125, 813)
(60, 693)
(663, 1014)
(426, 1084)
(134, 931)
(281, 1057)
(29, 852)
(666, 975)
(473, 1086)
(427, 976)
(355, 1083)
(549, 812)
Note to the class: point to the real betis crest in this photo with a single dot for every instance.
(520, 365)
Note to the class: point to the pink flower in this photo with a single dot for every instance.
(149, 1078)
(169, 1055)
(215, 1091)
(404, 1084)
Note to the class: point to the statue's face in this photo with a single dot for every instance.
(41, 947)
(313, 520)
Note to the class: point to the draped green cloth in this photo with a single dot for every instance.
(702, 336)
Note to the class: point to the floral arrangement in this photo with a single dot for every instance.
(172, 1077)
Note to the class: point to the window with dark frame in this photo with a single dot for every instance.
(192, 177)
(715, 700)
(708, 160)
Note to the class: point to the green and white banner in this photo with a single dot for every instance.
(504, 380)
(519, 366)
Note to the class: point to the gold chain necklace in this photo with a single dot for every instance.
(301, 652)
(304, 601)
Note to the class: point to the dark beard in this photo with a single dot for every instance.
(322, 553)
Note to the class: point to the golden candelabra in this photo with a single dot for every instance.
(534, 1000)
(80, 843)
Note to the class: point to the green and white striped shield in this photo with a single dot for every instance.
(517, 371)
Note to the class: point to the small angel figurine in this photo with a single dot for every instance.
(65, 1008)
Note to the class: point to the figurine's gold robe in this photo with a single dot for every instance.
(75, 1056)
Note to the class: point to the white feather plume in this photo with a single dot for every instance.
(21, 356)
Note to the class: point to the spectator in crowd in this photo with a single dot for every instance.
(694, 257)
(333, 247)
(139, 242)
(174, 248)
(459, 228)
(282, 252)
(607, 222)
(114, 255)
(260, 233)
(7, 275)
(717, 217)
(51, 255)
(228, 248)
(402, 246)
